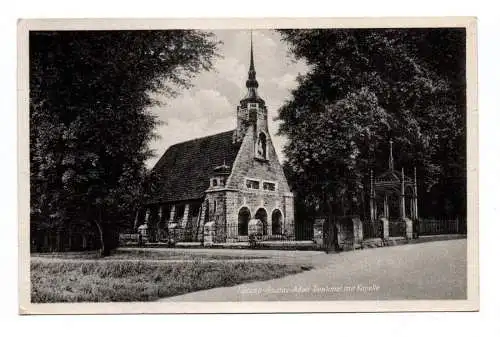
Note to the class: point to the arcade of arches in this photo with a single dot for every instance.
(244, 217)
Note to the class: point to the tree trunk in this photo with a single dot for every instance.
(105, 249)
(332, 225)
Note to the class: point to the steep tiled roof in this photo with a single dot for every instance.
(184, 170)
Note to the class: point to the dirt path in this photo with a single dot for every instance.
(432, 270)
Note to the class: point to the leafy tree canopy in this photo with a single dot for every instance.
(89, 119)
(364, 87)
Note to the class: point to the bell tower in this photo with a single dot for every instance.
(252, 113)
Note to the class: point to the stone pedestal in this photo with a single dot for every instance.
(143, 234)
(255, 232)
(209, 233)
(357, 230)
(255, 228)
(409, 228)
(385, 228)
(345, 234)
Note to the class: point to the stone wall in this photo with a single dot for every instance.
(217, 212)
(247, 166)
(222, 204)
(255, 200)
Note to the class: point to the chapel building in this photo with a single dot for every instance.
(229, 179)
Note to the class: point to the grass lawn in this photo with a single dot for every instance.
(147, 254)
(124, 281)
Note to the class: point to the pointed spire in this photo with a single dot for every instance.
(252, 67)
(251, 82)
(391, 159)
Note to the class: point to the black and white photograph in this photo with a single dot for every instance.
(200, 168)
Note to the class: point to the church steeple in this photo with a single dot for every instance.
(252, 111)
(251, 83)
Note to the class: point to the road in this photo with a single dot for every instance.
(432, 270)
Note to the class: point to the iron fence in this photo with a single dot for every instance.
(266, 233)
(233, 233)
(372, 230)
(441, 226)
(397, 228)
(223, 233)
(61, 240)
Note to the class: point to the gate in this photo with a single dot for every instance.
(372, 230)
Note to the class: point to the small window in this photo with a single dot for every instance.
(253, 184)
(214, 182)
(269, 186)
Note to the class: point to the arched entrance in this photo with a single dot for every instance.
(261, 215)
(243, 219)
(277, 222)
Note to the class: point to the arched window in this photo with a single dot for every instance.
(277, 222)
(214, 182)
(243, 219)
(262, 146)
(261, 215)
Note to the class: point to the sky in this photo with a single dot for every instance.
(209, 106)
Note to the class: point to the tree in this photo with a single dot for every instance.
(364, 87)
(89, 119)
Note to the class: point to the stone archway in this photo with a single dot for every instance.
(394, 205)
(243, 219)
(276, 222)
(261, 215)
